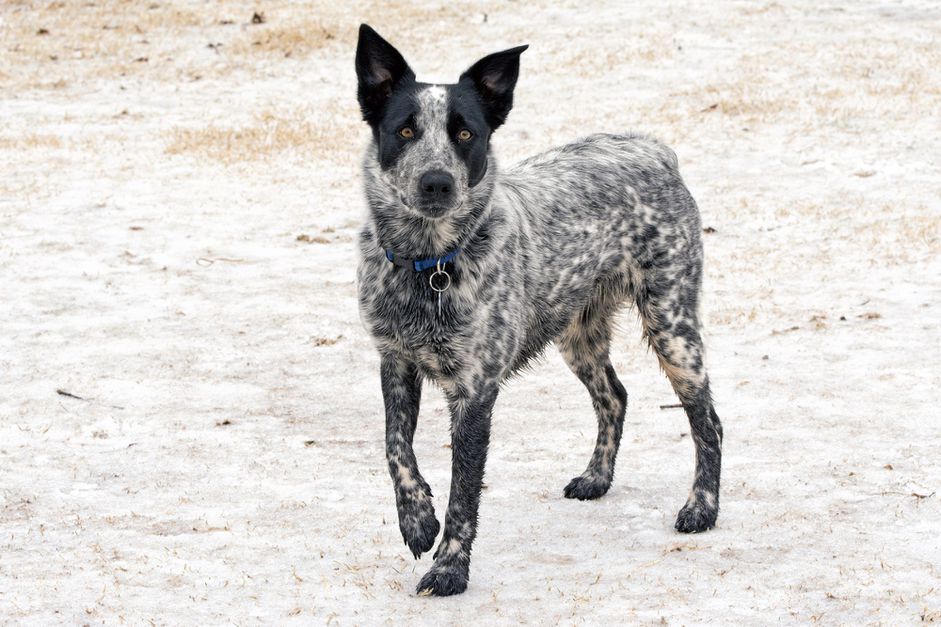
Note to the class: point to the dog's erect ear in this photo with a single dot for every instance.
(494, 78)
(379, 67)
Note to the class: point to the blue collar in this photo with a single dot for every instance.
(422, 264)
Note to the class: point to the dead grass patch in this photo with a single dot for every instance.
(31, 141)
(82, 40)
(884, 234)
(830, 83)
(63, 30)
(298, 39)
(744, 99)
(290, 31)
(324, 136)
(900, 239)
(91, 39)
(594, 62)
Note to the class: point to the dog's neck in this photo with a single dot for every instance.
(407, 234)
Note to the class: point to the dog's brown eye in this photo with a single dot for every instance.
(464, 134)
(406, 132)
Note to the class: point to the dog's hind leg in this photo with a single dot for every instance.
(401, 392)
(584, 346)
(668, 309)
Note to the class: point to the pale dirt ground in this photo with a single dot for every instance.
(160, 162)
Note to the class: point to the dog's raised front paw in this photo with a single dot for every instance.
(443, 581)
(695, 517)
(587, 486)
(418, 525)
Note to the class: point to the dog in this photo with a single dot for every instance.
(468, 272)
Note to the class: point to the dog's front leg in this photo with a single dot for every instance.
(470, 436)
(401, 392)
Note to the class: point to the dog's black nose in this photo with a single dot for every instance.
(436, 185)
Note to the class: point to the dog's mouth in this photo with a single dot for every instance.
(431, 210)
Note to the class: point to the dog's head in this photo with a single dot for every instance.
(432, 141)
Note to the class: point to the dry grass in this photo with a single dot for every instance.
(290, 36)
(31, 141)
(109, 39)
(82, 40)
(826, 85)
(305, 134)
(594, 63)
(101, 38)
(893, 239)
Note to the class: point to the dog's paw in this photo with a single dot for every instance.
(443, 581)
(418, 525)
(587, 486)
(695, 517)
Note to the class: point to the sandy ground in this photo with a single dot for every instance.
(179, 200)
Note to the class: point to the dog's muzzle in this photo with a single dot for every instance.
(436, 193)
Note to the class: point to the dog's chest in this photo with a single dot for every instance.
(407, 317)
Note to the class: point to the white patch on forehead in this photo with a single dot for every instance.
(436, 92)
(433, 104)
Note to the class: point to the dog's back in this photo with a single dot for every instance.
(595, 176)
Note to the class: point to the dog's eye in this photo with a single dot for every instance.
(406, 132)
(464, 134)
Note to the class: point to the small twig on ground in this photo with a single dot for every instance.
(70, 395)
(672, 406)
(208, 261)
(914, 494)
(62, 392)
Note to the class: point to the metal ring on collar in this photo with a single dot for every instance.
(431, 281)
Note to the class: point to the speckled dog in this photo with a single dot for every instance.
(467, 273)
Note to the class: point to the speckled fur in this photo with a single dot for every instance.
(550, 249)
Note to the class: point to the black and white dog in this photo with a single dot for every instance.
(468, 272)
